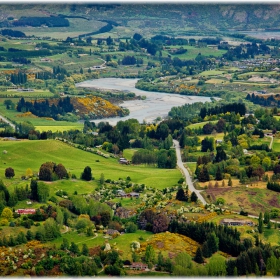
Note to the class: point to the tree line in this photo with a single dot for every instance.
(44, 109)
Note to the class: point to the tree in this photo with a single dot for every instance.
(260, 224)
(43, 192)
(85, 250)
(46, 171)
(198, 256)
(137, 37)
(213, 243)
(105, 218)
(208, 143)
(130, 227)
(229, 182)
(221, 155)
(109, 41)
(7, 213)
(13, 199)
(29, 173)
(34, 189)
(74, 248)
(266, 217)
(60, 171)
(65, 244)
(102, 179)
(9, 172)
(51, 229)
(219, 175)
(21, 238)
(183, 259)
(194, 197)
(86, 175)
(150, 255)
(29, 235)
(258, 172)
(203, 175)
(160, 223)
(180, 195)
(217, 266)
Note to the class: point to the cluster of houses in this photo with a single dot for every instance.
(255, 62)
(121, 193)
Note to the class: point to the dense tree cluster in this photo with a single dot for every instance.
(51, 171)
(43, 108)
(264, 100)
(238, 108)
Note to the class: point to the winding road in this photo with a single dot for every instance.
(7, 121)
(186, 173)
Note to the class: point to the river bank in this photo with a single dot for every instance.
(156, 104)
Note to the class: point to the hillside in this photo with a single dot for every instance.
(31, 154)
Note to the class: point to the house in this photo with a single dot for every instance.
(236, 222)
(138, 266)
(112, 231)
(121, 193)
(27, 211)
(124, 161)
(25, 89)
(46, 60)
(134, 194)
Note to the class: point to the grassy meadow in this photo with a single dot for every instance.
(31, 154)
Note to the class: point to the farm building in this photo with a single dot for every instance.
(124, 161)
(27, 211)
(122, 193)
(138, 266)
(236, 222)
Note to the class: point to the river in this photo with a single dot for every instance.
(156, 104)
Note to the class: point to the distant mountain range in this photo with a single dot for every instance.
(163, 17)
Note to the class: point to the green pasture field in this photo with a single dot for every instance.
(60, 128)
(31, 154)
(276, 145)
(217, 81)
(265, 140)
(128, 153)
(272, 236)
(36, 121)
(72, 185)
(11, 93)
(211, 73)
(217, 136)
(257, 73)
(77, 27)
(71, 63)
(18, 44)
(201, 124)
(252, 83)
(254, 199)
(121, 242)
(128, 202)
(194, 51)
(191, 166)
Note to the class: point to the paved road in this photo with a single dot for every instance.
(271, 142)
(7, 121)
(186, 173)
